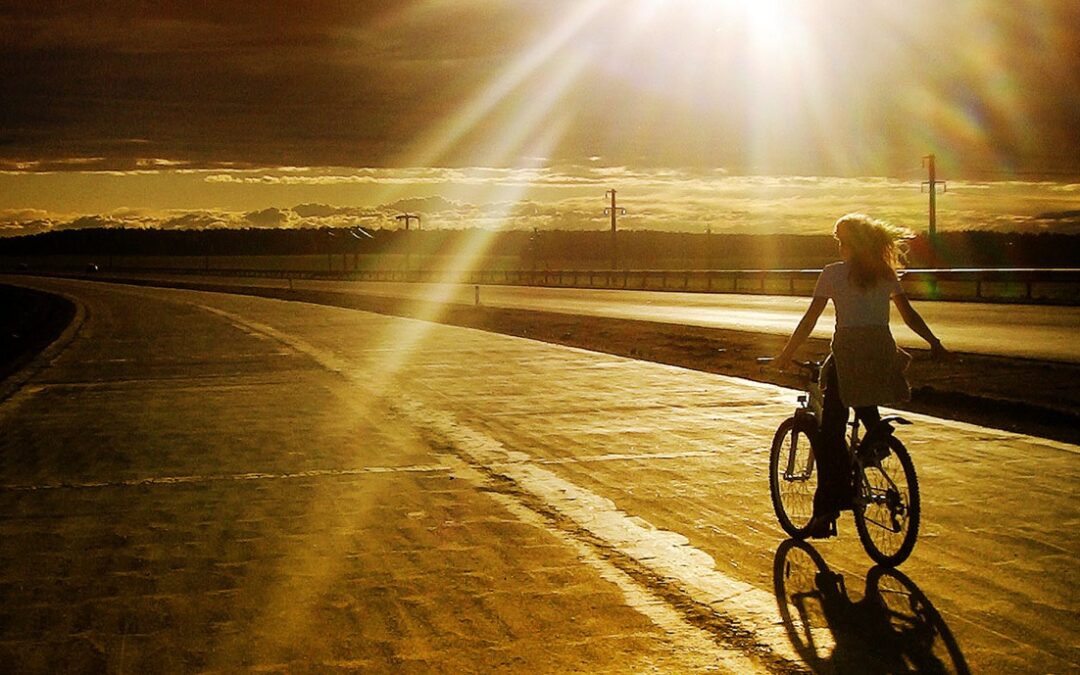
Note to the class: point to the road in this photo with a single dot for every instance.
(198, 481)
(1027, 331)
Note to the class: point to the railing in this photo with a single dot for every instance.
(1053, 286)
(1034, 286)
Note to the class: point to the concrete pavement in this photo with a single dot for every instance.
(203, 482)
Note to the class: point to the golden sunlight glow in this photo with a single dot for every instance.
(674, 48)
(433, 148)
(772, 31)
(773, 77)
(534, 85)
(772, 28)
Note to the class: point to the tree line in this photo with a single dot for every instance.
(552, 249)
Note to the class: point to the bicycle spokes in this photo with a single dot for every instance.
(887, 513)
(799, 465)
(885, 508)
(792, 476)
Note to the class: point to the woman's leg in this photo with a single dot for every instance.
(869, 416)
(833, 491)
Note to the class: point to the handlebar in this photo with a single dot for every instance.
(813, 368)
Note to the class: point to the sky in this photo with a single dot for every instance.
(732, 115)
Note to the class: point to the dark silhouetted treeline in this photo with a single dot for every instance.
(636, 249)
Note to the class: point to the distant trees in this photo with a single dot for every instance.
(639, 249)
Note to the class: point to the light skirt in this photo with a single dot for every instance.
(869, 366)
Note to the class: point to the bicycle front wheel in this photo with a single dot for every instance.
(793, 477)
(887, 506)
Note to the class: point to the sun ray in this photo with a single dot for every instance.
(523, 102)
(433, 147)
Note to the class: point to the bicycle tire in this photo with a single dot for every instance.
(910, 611)
(887, 506)
(796, 567)
(793, 477)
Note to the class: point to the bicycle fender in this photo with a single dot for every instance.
(895, 418)
(806, 415)
(882, 430)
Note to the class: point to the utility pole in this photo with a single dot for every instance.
(708, 247)
(408, 217)
(932, 184)
(613, 210)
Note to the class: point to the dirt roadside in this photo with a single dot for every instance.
(29, 321)
(1039, 398)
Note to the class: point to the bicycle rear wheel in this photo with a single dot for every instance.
(793, 477)
(887, 505)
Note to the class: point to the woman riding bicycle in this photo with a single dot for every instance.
(865, 368)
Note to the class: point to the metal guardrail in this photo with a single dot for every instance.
(1026, 285)
(1017, 285)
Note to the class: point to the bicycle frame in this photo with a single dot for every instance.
(810, 406)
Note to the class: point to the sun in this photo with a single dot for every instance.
(766, 32)
(773, 27)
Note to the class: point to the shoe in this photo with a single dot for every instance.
(822, 526)
(875, 445)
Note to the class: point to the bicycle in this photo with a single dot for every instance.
(886, 499)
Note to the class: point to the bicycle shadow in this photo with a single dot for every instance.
(893, 628)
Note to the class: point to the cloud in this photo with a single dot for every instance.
(197, 220)
(567, 197)
(21, 215)
(54, 164)
(16, 222)
(271, 217)
(318, 210)
(1059, 221)
(118, 166)
(1060, 215)
(301, 176)
(431, 204)
(562, 176)
(93, 221)
(327, 216)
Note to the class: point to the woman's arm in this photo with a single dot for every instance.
(916, 323)
(802, 331)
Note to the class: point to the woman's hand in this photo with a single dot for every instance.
(938, 351)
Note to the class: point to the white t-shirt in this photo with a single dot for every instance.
(856, 306)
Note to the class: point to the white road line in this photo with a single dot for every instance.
(666, 554)
(695, 645)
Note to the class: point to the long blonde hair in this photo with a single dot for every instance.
(877, 248)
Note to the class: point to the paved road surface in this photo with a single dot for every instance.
(1029, 331)
(199, 482)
